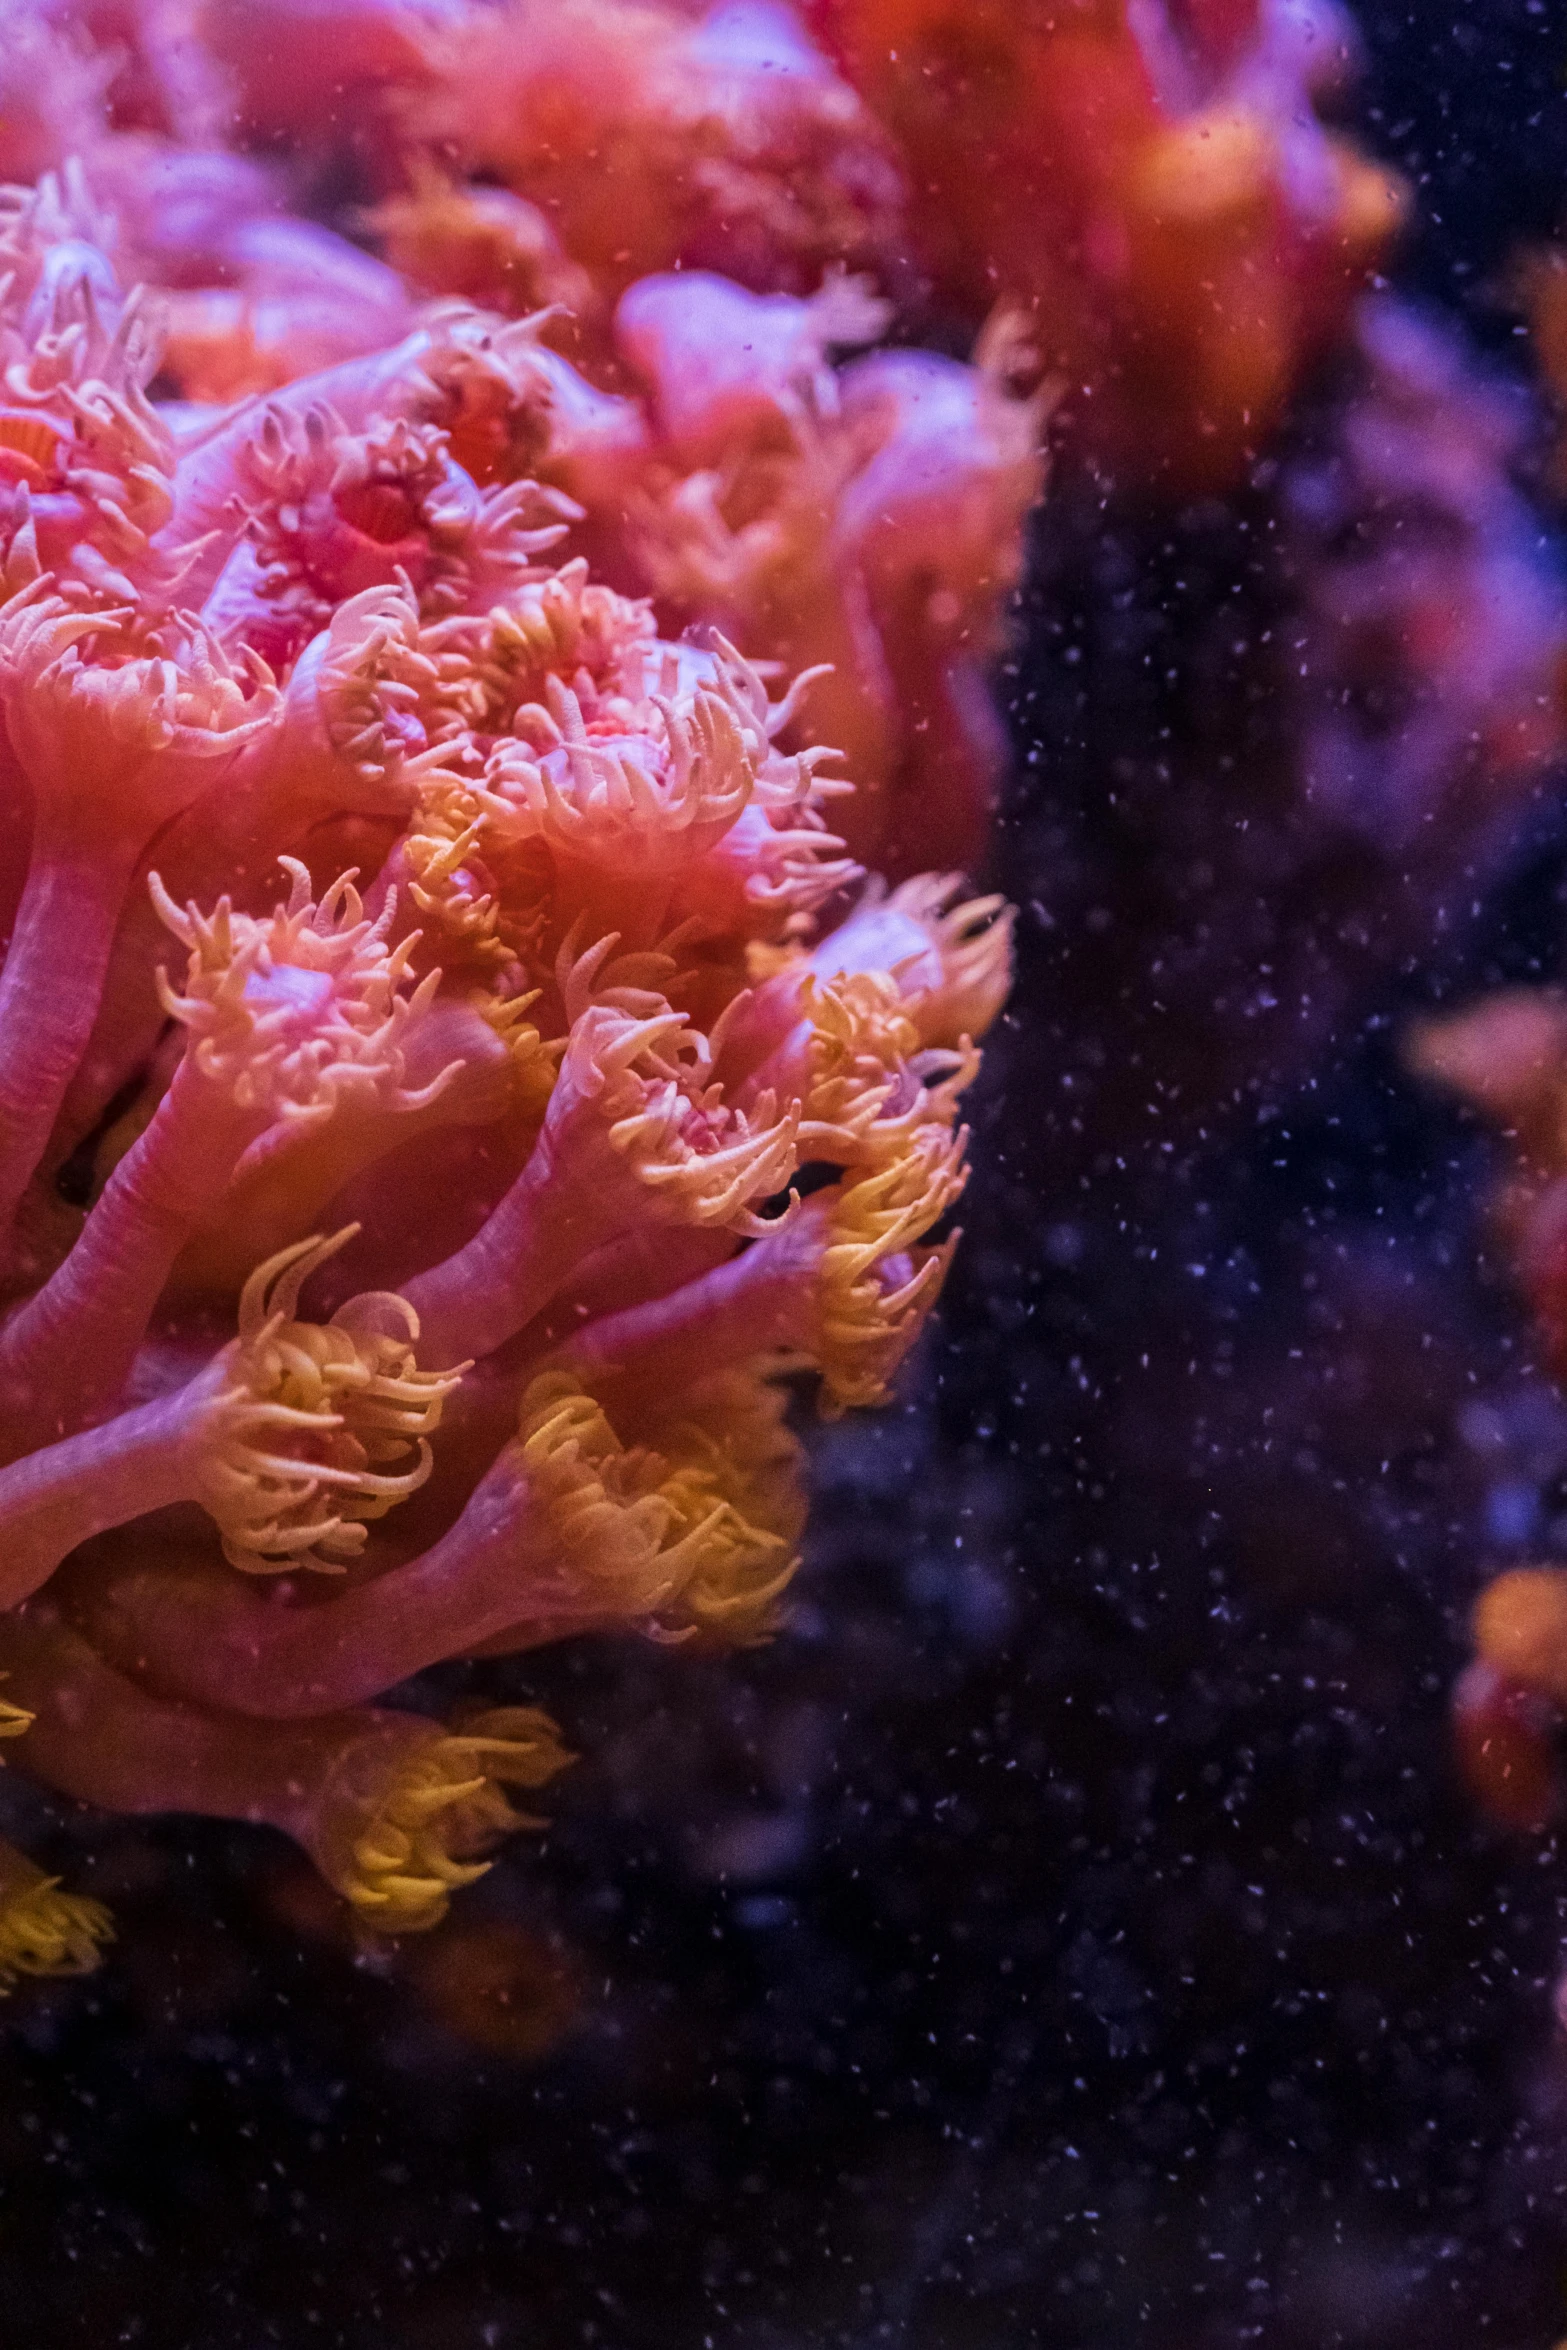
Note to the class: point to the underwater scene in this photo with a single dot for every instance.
(783, 1174)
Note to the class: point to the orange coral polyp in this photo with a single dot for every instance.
(1155, 185)
(567, 983)
(30, 449)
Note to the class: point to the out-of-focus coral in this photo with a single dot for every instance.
(1507, 1056)
(1433, 634)
(1154, 185)
(1294, 741)
(866, 521)
(125, 99)
(1154, 182)
(451, 1070)
(1509, 1704)
(653, 138)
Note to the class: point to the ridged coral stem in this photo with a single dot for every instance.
(66, 1354)
(477, 1299)
(224, 1642)
(226, 844)
(62, 1495)
(49, 994)
(760, 1303)
(98, 1737)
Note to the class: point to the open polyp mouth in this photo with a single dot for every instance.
(380, 510)
(29, 450)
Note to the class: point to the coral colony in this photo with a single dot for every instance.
(484, 610)
(437, 983)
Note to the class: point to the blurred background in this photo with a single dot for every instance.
(1073, 1930)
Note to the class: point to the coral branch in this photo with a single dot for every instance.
(114, 746)
(633, 1135)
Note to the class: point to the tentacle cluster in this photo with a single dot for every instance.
(306, 1420)
(305, 1011)
(665, 1530)
(444, 1803)
(44, 1931)
(86, 462)
(100, 696)
(330, 512)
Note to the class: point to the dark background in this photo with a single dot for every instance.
(1071, 1932)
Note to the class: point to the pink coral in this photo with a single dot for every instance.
(379, 873)
(692, 218)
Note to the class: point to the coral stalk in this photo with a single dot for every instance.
(392, 1808)
(49, 993)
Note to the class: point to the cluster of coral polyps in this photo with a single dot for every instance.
(1149, 179)
(1132, 213)
(451, 1067)
(865, 518)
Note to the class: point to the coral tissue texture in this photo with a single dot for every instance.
(453, 1067)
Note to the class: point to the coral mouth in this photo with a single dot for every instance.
(378, 510)
(29, 450)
